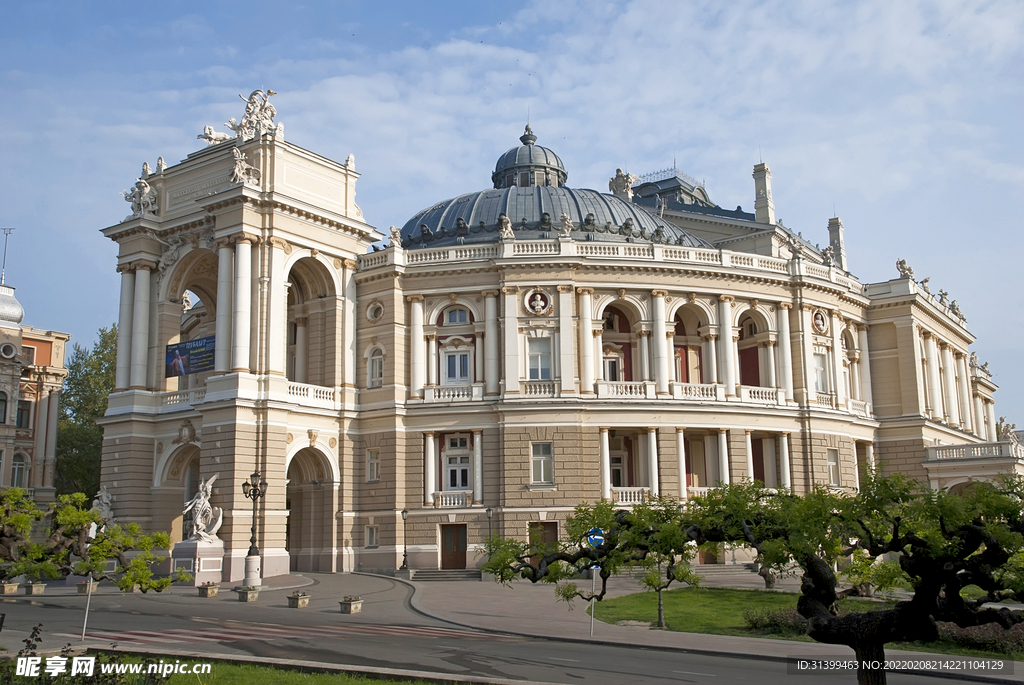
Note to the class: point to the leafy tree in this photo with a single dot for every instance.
(17, 515)
(90, 380)
(942, 544)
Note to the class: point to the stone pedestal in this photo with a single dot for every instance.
(252, 571)
(204, 560)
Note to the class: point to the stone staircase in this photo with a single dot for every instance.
(722, 569)
(431, 575)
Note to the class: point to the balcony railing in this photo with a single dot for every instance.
(637, 390)
(708, 392)
(537, 388)
(825, 400)
(454, 499)
(181, 400)
(758, 395)
(313, 395)
(980, 450)
(696, 492)
(630, 495)
(453, 393)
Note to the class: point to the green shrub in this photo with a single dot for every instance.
(775, 621)
(990, 637)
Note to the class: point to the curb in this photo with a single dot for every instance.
(415, 606)
(320, 667)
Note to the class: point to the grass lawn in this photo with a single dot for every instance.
(233, 674)
(719, 611)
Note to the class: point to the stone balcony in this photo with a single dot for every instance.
(630, 495)
(979, 450)
(453, 393)
(453, 499)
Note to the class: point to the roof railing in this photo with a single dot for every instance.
(671, 172)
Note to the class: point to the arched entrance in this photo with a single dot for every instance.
(311, 500)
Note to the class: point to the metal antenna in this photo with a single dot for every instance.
(3, 269)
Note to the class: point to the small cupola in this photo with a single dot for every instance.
(529, 165)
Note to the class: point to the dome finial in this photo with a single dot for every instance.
(528, 138)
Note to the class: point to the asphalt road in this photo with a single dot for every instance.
(391, 635)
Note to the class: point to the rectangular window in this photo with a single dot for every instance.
(375, 371)
(457, 473)
(458, 316)
(542, 463)
(29, 353)
(820, 373)
(372, 465)
(456, 368)
(611, 369)
(24, 414)
(372, 536)
(539, 350)
(833, 467)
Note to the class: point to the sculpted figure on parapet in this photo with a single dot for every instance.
(505, 231)
(905, 270)
(142, 198)
(566, 226)
(206, 518)
(259, 115)
(622, 184)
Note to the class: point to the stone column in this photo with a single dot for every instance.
(431, 360)
(222, 330)
(417, 347)
(785, 349)
(606, 467)
(808, 353)
(645, 355)
(709, 463)
(710, 359)
(681, 459)
(123, 368)
(723, 456)
(949, 383)
(855, 384)
(42, 412)
(770, 356)
(348, 327)
(750, 457)
(478, 467)
(511, 324)
(566, 364)
(869, 455)
(979, 420)
(586, 332)
(726, 345)
(491, 373)
(784, 460)
(241, 322)
(660, 356)
(934, 387)
(964, 396)
(670, 347)
(598, 334)
(990, 419)
(50, 455)
(301, 350)
(429, 468)
(865, 364)
(140, 325)
(837, 360)
(480, 366)
(652, 457)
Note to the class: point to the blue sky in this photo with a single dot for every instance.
(904, 116)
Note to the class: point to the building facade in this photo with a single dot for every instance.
(32, 373)
(513, 352)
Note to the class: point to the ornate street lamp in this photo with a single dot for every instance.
(254, 490)
(490, 513)
(405, 541)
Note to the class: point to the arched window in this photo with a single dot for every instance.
(18, 471)
(375, 369)
(456, 316)
(3, 407)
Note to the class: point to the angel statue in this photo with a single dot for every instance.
(505, 231)
(905, 270)
(259, 115)
(206, 519)
(396, 237)
(142, 198)
(565, 230)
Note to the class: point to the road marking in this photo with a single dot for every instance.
(555, 658)
(709, 675)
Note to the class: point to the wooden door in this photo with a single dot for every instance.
(757, 451)
(453, 545)
(750, 370)
(544, 534)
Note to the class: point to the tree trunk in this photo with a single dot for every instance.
(870, 661)
(661, 610)
(769, 577)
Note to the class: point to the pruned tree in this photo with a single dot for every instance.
(18, 513)
(942, 543)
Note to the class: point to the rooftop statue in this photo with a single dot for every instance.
(566, 228)
(396, 237)
(954, 309)
(206, 519)
(905, 270)
(212, 137)
(160, 165)
(942, 297)
(828, 256)
(505, 231)
(621, 184)
(924, 284)
(142, 198)
(243, 171)
(259, 115)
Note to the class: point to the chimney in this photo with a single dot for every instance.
(764, 208)
(835, 239)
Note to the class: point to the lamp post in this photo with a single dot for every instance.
(405, 541)
(254, 490)
(490, 513)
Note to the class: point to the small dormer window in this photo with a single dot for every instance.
(457, 316)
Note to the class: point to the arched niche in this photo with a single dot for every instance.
(314, 323)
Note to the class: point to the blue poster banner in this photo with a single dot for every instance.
(188, 357)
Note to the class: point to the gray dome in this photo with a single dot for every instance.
(11, 311)
(541, 166)
(535, 213)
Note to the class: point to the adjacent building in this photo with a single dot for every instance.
(513, 351)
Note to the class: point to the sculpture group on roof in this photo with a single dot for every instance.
(257, 120)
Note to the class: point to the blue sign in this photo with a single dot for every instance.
(192, 356)
(595, 537)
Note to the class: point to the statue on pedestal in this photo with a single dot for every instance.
(206, 519)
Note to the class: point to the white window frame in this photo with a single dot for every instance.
(821, 374)
(458, 460)
(538, 361)
(372, 465)
(456, 311)
(372, 537)
(832, 457)
(375, 368)
(19, 471)
(542, 466)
